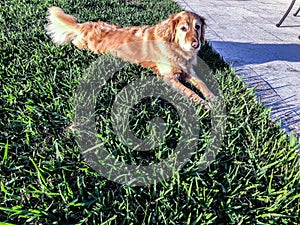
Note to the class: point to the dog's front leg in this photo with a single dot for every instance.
(200, 85)
(175, 83)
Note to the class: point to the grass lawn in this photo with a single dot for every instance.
(44, 179)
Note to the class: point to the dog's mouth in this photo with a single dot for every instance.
(189, 44)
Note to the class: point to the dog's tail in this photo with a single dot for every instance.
(62, 28)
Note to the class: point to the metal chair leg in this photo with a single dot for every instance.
(296, 13)
(286, 13)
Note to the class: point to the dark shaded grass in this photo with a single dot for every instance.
(44, 178)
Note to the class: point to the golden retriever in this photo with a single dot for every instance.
(168, 48)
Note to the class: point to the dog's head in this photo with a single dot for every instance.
(186, 29)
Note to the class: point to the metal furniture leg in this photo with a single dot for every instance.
(286, 13)
(297, 12)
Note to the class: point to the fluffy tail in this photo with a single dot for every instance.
(62, 28)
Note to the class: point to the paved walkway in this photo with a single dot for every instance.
(244, 34)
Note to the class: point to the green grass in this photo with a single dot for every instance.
(44, 178)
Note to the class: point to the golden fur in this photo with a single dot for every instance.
(168, 48)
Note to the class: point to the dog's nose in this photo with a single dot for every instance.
(195, 44)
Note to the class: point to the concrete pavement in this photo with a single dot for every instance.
(244, 33)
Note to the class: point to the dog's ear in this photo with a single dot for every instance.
(167, 29)
(202, 32)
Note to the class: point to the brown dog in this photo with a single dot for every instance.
(168, 48)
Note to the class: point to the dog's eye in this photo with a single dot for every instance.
(183, 28)
(197, 27)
